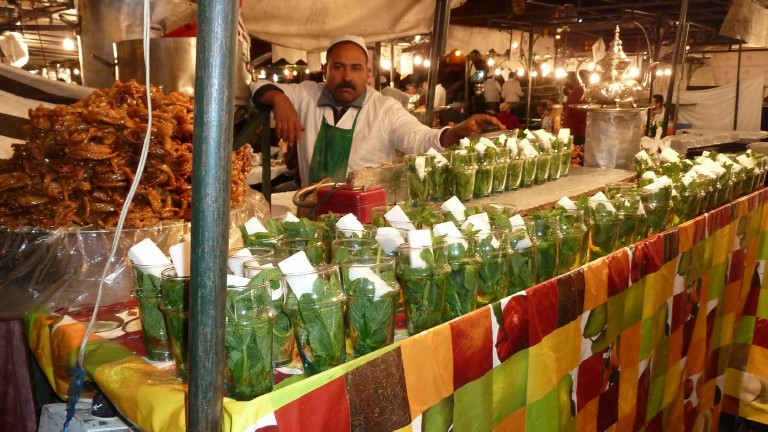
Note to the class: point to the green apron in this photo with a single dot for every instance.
(331, 154)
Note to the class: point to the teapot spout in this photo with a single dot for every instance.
(648, 74)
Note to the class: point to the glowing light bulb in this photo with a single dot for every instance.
(427, 63)
(659, 72)
(545, 69)
(68, 44)
(590, 66)
(417, 60)
(497, 71)
(560, 73)
(386, 64)
(491, 62)
(286, 71)
(594, 78)
(534, 74)
(634, 72)
(457, 53)
(520, 72)
(557, 36)
(515, 44)
(667, 71)
(76, 71)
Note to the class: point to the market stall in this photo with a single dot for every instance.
(664, 333)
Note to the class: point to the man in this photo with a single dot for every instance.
(575, 119)
(492, 92)
(439, 94)
(394, 93)
(342, 125)
(510, 121)
(542, 109)
(511, 91)
(413, 96)
(657, 111)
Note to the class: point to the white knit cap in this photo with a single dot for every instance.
(357, 40)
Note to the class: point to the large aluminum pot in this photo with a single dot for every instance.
(171, 64)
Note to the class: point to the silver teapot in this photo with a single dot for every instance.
(616, 87)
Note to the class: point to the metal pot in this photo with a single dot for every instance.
(171, 64)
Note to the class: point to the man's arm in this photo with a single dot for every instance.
(287, 123)
(472, 126)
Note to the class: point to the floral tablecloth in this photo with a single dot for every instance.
(670, 334)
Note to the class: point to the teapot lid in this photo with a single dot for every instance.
(616, 59)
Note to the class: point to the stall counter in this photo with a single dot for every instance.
(663, 335)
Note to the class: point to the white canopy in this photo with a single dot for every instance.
(310, 26)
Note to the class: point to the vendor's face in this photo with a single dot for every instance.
(346, 72)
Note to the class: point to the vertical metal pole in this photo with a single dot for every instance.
(680, 40)
(439, 38)
(738, 88)
(392, 65)
(467, 102)
(530, 80)
(266, 156)
(376, 66)
(211, 169)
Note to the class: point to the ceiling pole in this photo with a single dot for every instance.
(738, 85)
(680, 41)
(211, 169)
(439, 38)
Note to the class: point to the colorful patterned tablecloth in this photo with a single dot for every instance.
(670, 334)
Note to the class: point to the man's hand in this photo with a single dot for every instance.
(287, 124)
(472, 126)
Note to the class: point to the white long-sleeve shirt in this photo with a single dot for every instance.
(511, 91)
(383, 126)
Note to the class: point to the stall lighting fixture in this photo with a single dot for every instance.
(491, 62)
(497, 71)
(286, 72)
(534, 74)
(262, 74)
(417, 60)
(385, 64)
(560, 73)
(667, 72)
(68, 44)
(557, 36)
(591, 66)
(520, 72)
(659, 72)
(76, 71)
(457, 53)
(634, 72)
(427, 63)
(515, 44)
(545, 69)
(594, 78)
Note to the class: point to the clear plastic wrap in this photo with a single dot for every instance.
(57, 269)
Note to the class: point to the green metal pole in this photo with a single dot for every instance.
(211, 174)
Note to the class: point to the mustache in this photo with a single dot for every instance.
(345, 84)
